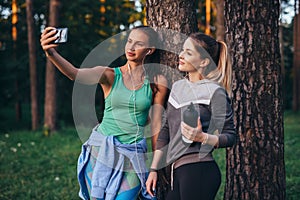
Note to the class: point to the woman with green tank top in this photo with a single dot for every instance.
(112, 165)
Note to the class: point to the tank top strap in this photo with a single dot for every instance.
(117, 71)
(146, 80)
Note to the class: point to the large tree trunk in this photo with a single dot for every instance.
(296, 64)
(179, 16)
(50, 96)
(32, 66)
(255, 166)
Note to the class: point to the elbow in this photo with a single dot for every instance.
(72, 75)
(227, 140)
(232, 139)
(71, 78)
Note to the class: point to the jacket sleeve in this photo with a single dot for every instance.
(222, 118)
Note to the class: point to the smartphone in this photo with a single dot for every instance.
(62, 34)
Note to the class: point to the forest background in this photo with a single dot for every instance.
(89, 24)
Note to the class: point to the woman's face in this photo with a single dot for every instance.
(189, 57)
(137, 46)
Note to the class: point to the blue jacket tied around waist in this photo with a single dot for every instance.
(108, 171)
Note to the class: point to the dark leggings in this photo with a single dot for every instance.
(196, 181)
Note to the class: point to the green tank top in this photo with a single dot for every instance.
(126, 111)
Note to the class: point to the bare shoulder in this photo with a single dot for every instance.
(106, 74)
(109, 72)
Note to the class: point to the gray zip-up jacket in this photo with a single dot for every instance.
(216, 115)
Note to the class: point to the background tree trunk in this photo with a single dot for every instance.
(296, 64)
(14, 34)
(220, 28)
(179, 16)
(207, 17)
(50, 90)
(255, 166)
(32, 66)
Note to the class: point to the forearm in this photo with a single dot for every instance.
(157, 160)
(227, 139)
(155, 125)
(62, 64)
(156, 116)
(212, 140)
(154, 139)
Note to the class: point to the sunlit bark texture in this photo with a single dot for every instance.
(177, 15)
(255, 166)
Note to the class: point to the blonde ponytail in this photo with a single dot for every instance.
(219, 69)
(222, 72)
(225, 66)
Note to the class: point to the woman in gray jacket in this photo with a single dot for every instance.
(194, 173)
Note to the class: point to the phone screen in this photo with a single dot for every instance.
(62, 34)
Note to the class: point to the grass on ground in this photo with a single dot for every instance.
(33, 166)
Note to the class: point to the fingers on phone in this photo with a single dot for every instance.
(50, 36)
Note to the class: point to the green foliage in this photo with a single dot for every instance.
(37, 167)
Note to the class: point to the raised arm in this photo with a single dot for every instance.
(89, 76)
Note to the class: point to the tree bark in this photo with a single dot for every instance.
(32, 65)
(255, 166)
(50, 90)
(180, 17)
(176, 15)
